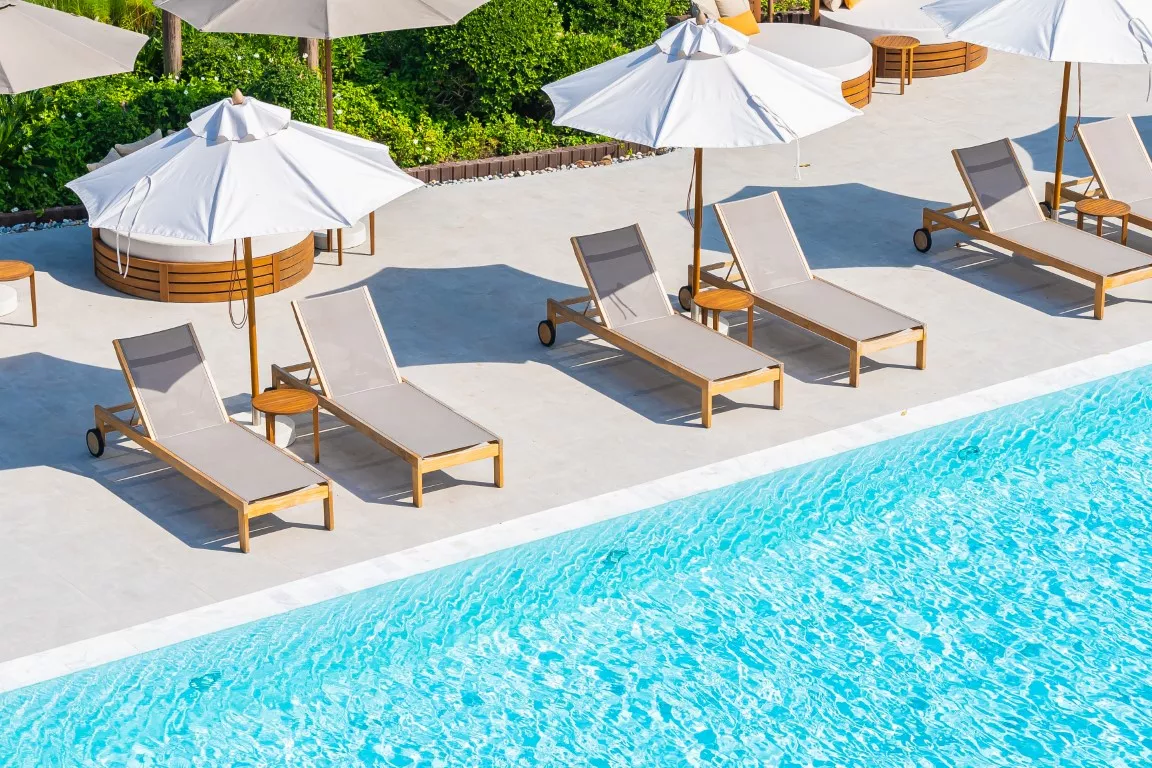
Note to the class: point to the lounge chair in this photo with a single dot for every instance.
(1008, 215)
(628, 308)
(771, 267)
(1121, 168)
(179, 418)
(359, 383)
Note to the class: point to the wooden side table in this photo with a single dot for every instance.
(907, 47)
(724, 300)
(18, 270)
(289, 402)
(1101, 207)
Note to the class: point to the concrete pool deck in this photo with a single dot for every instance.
(90, 546)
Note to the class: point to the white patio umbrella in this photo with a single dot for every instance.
(324, 19)
(1071, 31)
(40, 47)
(702, 86)
(242, 169)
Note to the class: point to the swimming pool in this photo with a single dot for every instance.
(976, 594)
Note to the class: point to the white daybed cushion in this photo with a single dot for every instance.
(111, 157)
(873, 18)
(355, 235)
(159, 248)
(127, 149)
(841, 54)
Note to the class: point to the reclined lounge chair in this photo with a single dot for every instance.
(772, 268)
(180, 420)
(1008, 215)
(351, 362)
(628, 307)
(1121, 168)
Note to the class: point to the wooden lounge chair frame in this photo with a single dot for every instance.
(138, 429)
(857, 349)
(975, 225)
(1068, 193)
(592, 320)
(311, 381)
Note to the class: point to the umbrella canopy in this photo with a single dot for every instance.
(324, 19)
(242, 169)
(1071, 31)
(700, 85)
(40, 47)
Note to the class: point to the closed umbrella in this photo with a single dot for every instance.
(325, 19)
(700, 85)
(40, 47)
(242, 169)
(1071, 31)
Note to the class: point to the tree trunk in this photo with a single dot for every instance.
(309, 48)
(173, 44)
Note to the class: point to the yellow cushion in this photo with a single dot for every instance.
(745, 23)
(850, 4)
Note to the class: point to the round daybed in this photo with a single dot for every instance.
(936, 55)
(838, 53)
(168, 269)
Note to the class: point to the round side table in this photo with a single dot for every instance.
(907, 47)
(724, 300)
(1101, 207)
(289, 402)
(18, 270)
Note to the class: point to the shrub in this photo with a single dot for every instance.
(293, 85)
(633, 23)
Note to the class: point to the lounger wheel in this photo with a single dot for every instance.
(547, 332)
(95, 441)
(1047, 207)
(685, 296)
(922, 239)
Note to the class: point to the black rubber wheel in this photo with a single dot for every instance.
(546, 331)
(922, 239)
(1047, 206)
(685, 297)
(95, 442)
(269, 389)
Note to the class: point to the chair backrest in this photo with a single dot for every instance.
(170, 383)
(998, 186)
(346, 342)
(763, 242)
(621, 276)
(1118, 158)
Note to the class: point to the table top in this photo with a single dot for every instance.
(895, 41)
(1102, 206)
(723, 300)
(15, 270)
(285, 402)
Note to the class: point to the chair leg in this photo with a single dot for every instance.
(32, 290)
(778, 392)
(329, 511)
(922, 352)
(854, 366)
(242, 519)
(372, 233)
(417, 486)
(706, 407)
(498, 468)
(1098, 310)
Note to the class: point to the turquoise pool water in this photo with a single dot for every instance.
(974, 595)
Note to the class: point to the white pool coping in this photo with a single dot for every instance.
(84, 654)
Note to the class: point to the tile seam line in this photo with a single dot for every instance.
(356, 577)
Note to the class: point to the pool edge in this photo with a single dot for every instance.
(158, 633)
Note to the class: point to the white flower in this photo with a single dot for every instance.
(256, 55)
(79, 115)
(304, 56)
(238, 58)
(415, 143)
(151, 79)
(339, 111)
(217, 78)
(427, 148)
(15, 209)
(185, 91)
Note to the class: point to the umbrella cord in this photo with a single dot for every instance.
(1079, 106)
(688, 208)
(1139, 30)
(122, 268)
(233, 280)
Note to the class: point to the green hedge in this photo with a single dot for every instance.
(448, 93)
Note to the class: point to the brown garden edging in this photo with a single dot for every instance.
(527, 162)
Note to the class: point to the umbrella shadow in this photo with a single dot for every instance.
(1041, 146)
(42, 390)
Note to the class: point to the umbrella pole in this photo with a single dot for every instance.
(1060, 141)
(250, 284)
(697, 219)
(328, 80)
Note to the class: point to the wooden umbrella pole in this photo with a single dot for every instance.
(1060, 141)
(250, 283)
(697, 219)
(328, 82)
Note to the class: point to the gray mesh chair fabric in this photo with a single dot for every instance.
(185, 416)
(242, 461)
(172, 384)
(696, 347)
(763, 242)
(1078, 248)
(351, 351)
(769, 256)
(1000, 186)
(358, 374)
(1118, 158)
(623, 277)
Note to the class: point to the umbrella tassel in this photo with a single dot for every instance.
(233, 281)
(122, 267)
